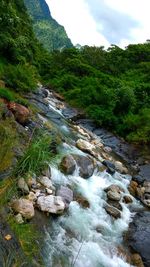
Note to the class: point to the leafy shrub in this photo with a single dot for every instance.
(21, 77)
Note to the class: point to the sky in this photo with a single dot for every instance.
(103, 22)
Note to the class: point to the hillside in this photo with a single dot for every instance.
(48, 31)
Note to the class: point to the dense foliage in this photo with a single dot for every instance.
(113, 86)
(48, 31)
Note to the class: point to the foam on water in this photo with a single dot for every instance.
(87, 237)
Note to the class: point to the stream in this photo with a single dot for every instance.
(84, 237)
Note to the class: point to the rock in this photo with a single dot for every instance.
(85, 146)
(31, 182)
(107, 149)
(66, 194)
(51, 204)
(68, 164)
(24, 207)
(20, 112)
(8, 237)
(49, 191)
(115, 204)
(22, 185)
(32, 197)
(45, 181)
(127, 199)
(113, 211)
(133, 188)
(137, 260)
(47, 172)
(110, 166)
(120, 168)
(138, 178)
(113, 195)
(19, 219)
(115, 188)
(139, 236)
(86, 166)
(84, 203)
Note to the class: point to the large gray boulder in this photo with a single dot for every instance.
(85, 164)
(51, 204)
(66, 194)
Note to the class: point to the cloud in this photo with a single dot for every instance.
(113, 24)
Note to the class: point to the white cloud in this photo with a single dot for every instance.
(100, 22)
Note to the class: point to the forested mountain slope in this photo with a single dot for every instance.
(48, 31)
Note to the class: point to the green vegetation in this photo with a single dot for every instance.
(113, 86)
(48, 31)
(36, 156)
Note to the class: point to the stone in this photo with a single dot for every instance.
(107, 149)
(120, 168)
(68, 165)
(84, 203)
(45, 181)
(66, 194)
(86, 166)
(133, 188)
(115, 188)
(32, 197)
(113, 195)
(85, 146)
(110, 166)
(49, 191)
(113, 211)
(47, 172)
(31, 182)
(138, 178)
(137, 260)
(127, 199)
(115, 204)
(8, 237)
(22, 185)
(139, 236)
(51, 204)
(24, 207)
(19, 219)
(20, 112)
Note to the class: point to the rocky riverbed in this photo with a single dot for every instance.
(93, 191)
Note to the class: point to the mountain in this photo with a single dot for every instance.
(51, 34)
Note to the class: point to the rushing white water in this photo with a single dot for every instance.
(87, 237)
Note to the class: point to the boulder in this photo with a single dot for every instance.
(115, 204)
(110, 166)
(137, 260)
(113, 195)
(113, 211)
(32, 197)
(85, 146)
(66, 194)
(51, 204)
(86, 166)
(68, 165)
(84, 203)
(127, 199)
(22, 185)
(120, 168)
(115, 188)
(133, 188)
(45, 181)
(139, 236)
(24, 207)
(20, 112)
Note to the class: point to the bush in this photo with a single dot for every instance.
(21, 77)
(37, 155)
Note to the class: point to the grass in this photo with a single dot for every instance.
(36, 156)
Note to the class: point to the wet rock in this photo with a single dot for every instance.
(133, 188)
(137, 260)
(110, 166)
(85, 164)
(68, 164)
(19, 219)
(47, 172)
(32, 197)
(139, 236)
(84, 203)
(115, 204)
(85, 146)
(113, 211)
(107, 149)
(138, 178)
(22, 185)
(127, 199)
(24, 207)
(66, 194)
(115, 188)
(20, 112)
(113, 195)
(45, 181)
(120, 168)
(51, 204)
